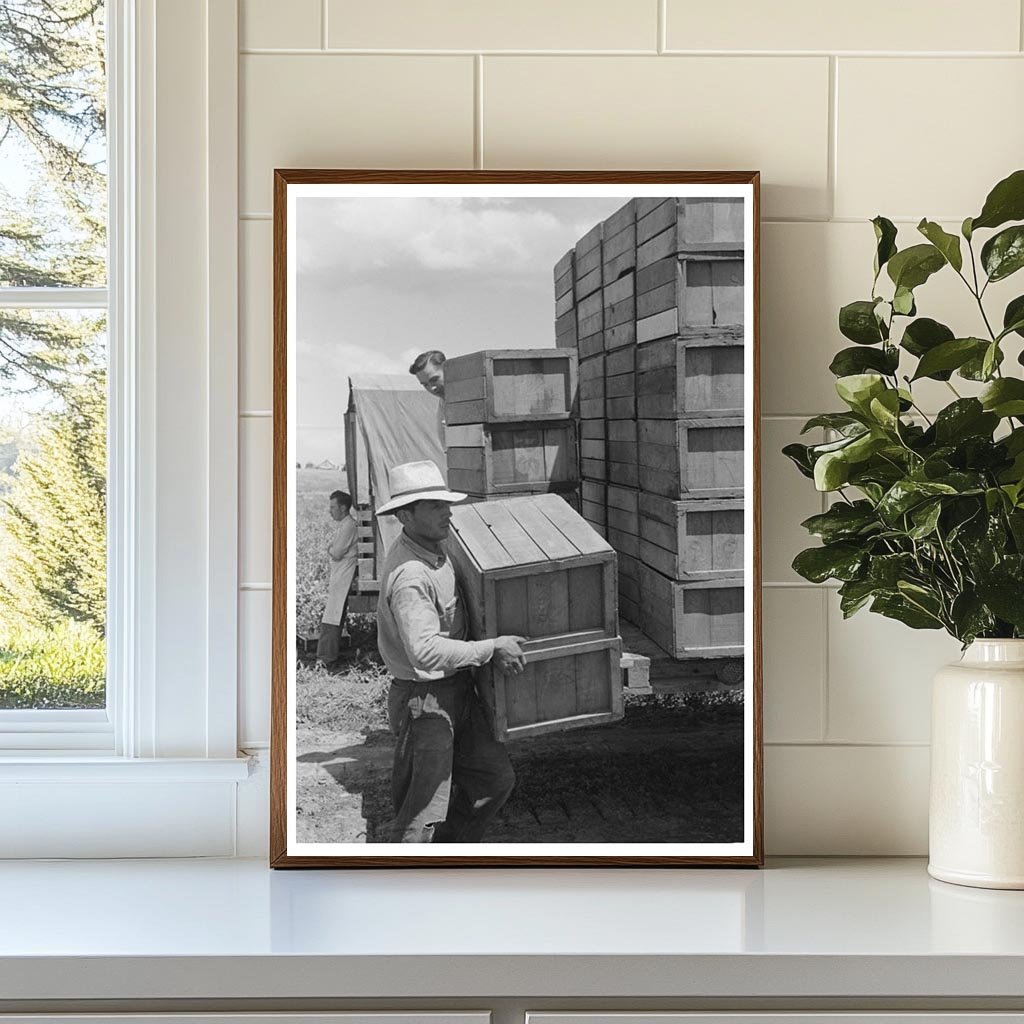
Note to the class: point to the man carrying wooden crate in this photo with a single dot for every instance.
(428, 369)
(450, 775)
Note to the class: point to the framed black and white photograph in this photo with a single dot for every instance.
(516, 554)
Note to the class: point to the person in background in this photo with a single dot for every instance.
(428, 369)
(450, 776)
(343, 553)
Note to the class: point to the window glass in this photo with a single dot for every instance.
(53, 354)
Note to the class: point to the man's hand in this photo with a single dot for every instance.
(509, 655)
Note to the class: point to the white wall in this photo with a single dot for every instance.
(906, 109)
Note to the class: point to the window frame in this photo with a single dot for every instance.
(162, 722)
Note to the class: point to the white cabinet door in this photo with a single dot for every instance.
(790, 1017)
(356, 1017)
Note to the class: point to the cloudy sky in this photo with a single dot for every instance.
(380, 280)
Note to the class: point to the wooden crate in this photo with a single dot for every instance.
(702, 619)
(367, 580)
(620, 361)
(587, 270)
(692, 540)
(619, 313)
(619, 244)
(593, 429)
(591, 378)
(691, 225)
(629, 588)
(510, 386)
(564, 292)
(571, 496)
(496, 458)
(590, 325)
(690, 297)
(689, 457)
(593, 503)
(696, 377)
(565, 330)
(623, 454)
(532, 567)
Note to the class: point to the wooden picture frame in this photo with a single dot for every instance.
(657, 304)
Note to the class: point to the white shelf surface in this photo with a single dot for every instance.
(823, 928)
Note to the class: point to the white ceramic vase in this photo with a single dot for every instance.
(976, 813)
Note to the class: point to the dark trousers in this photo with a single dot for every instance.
(450, 775)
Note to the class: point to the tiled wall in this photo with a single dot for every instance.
(906, 109)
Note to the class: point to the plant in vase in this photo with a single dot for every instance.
(927, 521)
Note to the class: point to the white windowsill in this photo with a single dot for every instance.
(76, 766)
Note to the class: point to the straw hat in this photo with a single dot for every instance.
(416, 481)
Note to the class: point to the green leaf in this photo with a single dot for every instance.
(831, 471)
(799, 455)
(970, 617)
(841, 421)
(1013, 317)
(950, 355)
(840, 561)
(925, 518)
(1004, 397)
(904, 495)
(947, 244)
(903, 302)
(850, 361)
(990, 360)
(857, 321)
(885, 236)
(1003, 254)
(854, 595)
(923, 335)
(974, 368)
(1005, 202)
(885, 409)
(965, 229)
(912, 267)
(842, 521)
(1005, 597)
(885, 571)
(858, 389)
(966, 417)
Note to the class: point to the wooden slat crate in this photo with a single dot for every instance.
(510, 386)
(590, 325)
(532, 567)
(564, 293)
(702, 619)
(692, 540)
(591, 377)
(587, 263)
(697, 377)
(366, 567)
(620, 361)
(506, 457)
(689, 297)
(570, 496)
(692, 225)
(619, 244)
(624, 508)
(593, 506)
(565, 330)
(629, 588)
(593, 429)
(619, 313)
(623, 452)
(696, 458)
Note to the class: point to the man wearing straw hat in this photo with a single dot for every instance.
(450, 775)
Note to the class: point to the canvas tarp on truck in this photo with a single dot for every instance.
(390, 420)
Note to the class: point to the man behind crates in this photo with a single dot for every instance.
(450, 775)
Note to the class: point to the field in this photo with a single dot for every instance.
(670, 771)
(63, 666)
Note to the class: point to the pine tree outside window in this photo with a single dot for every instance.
(53, 369)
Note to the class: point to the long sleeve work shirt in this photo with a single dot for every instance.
(421, 624)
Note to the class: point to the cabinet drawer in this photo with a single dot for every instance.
(789, 1017)
(355, 1017)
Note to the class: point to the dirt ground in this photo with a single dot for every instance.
(670, 771)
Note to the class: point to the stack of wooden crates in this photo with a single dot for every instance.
(510, 423)
(652, 300)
